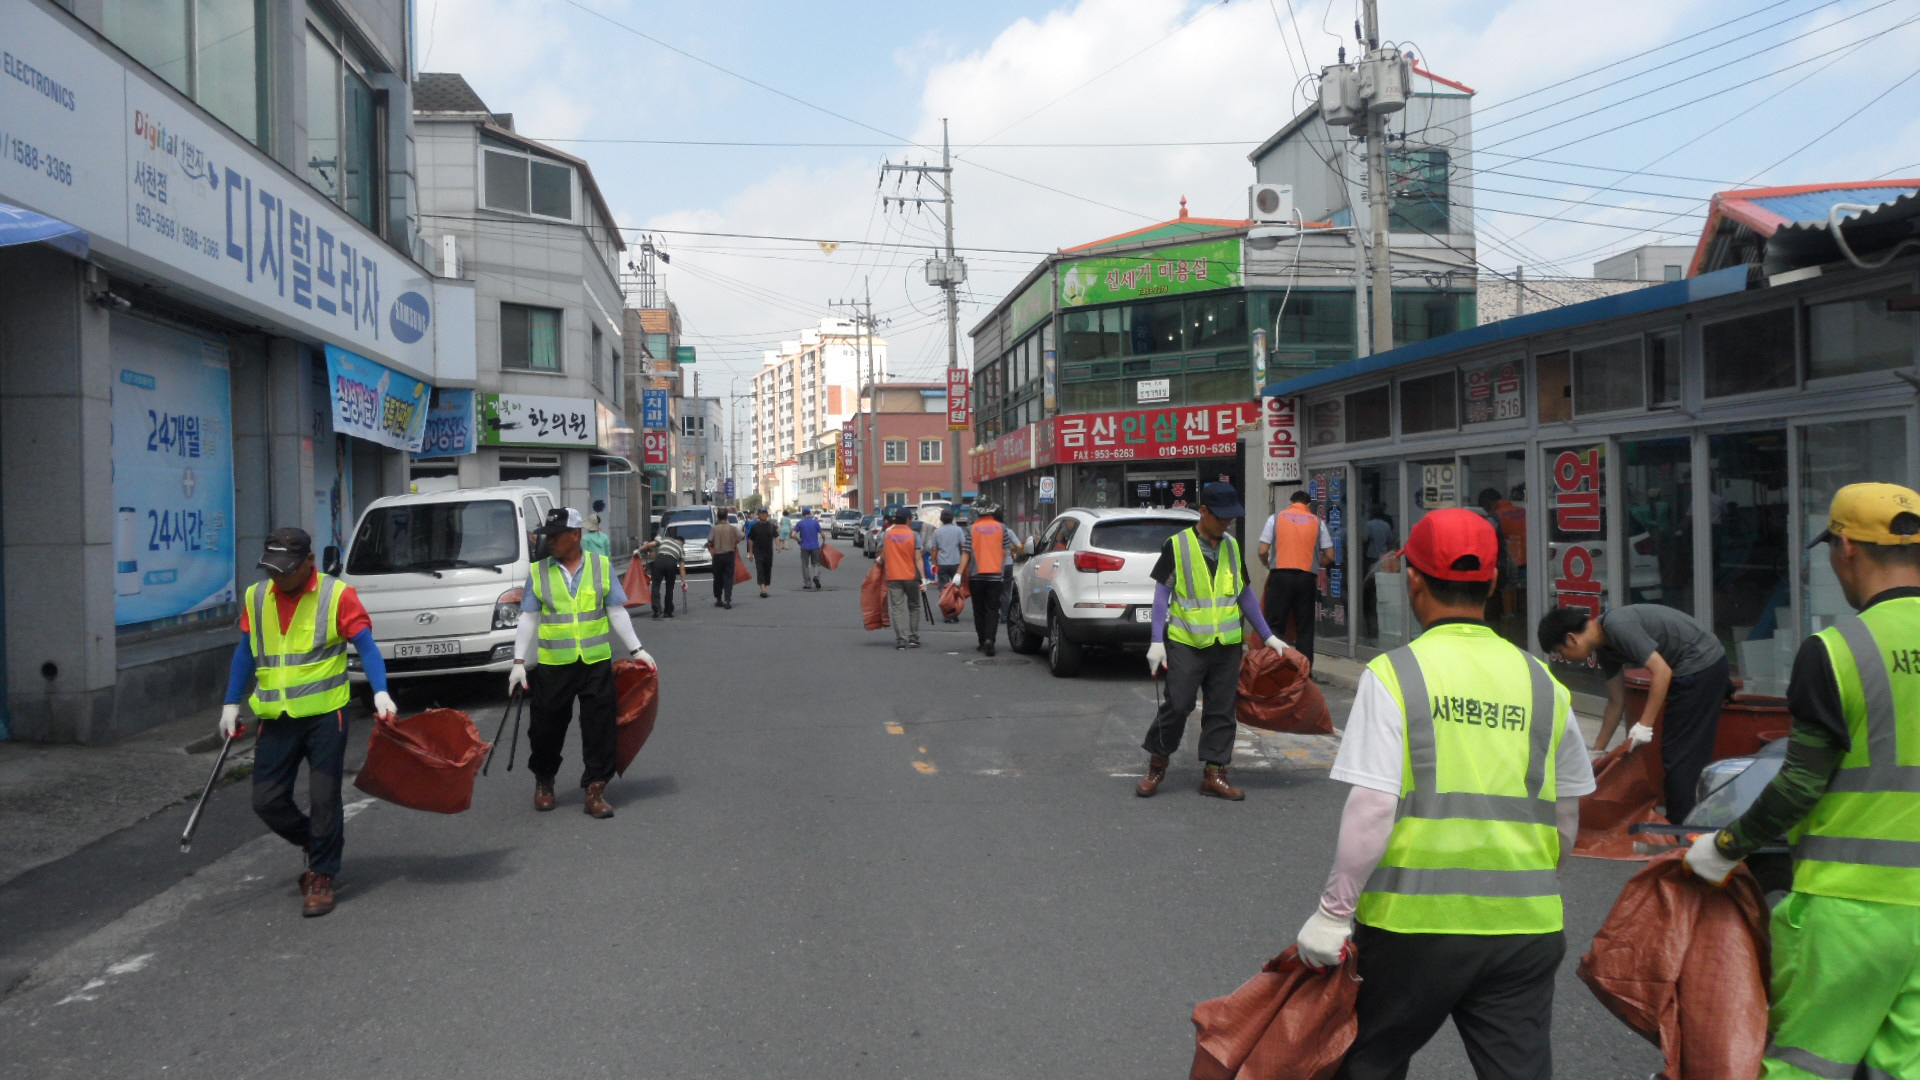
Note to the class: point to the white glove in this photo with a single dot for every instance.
(1323, 940)
(516, 679)
(229, 720)
(1274, 643)
(1639, 735)
(1156, 658)
(1705, 860)
(383, 706)
(646, 658)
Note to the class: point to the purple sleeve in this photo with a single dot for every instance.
(1162, 597)
(1250, 607)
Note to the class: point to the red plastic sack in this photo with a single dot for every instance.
(1686, 965)
(1277, 694)
(637, 687)
(1628, 787)
(952, 601)
(873, 599)
(1289, 1022)
(741, 575)
(638, 584)
(830, 556)
(424, 762)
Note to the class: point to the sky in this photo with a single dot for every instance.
(1598, 127)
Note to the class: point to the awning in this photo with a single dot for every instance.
(18, 226)
(610, 465)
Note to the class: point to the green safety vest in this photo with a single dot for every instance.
(1474, 848)
(302, 672)
(1206, 607)
(574, 626)
(1862, 840)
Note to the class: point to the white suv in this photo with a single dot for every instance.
(1088, 581)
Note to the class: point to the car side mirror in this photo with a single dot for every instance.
(330, 560)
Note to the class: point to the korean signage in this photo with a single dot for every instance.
(1280, 440)
(450, 425)
(658, 451)
(847, 457)
(959, 409)
(1439, 486)
(1578, 527)
(1147, 390)
(524, 420)
(653, 410)
(374, 402)
(172, 473)
(1010, 453)
(1050, 380)
(1047, 484)
(1493, 393)
(1188, 268)
(1149, 434)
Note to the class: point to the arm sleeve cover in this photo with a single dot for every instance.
(1365, 826)
(1566, 818)
(1162, 597)
(1811, 760)
(622, 624)
(523, 635)
(242, 671)
(1250, 607)
(371, 661)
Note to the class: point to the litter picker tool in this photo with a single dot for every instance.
(926, 605)
(515, 706)
(219, 765)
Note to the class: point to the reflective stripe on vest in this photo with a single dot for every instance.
(303, 670)
(1862, 840)
(573, 625)
(1483, 858)
(1296, 539)
(989, 549)
(1206, 607)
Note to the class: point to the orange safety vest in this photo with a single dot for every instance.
(989, 549)
(1296, 539)
(1513, 529)
(902, 549)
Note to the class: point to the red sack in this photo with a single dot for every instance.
(741, 575)
(873, 599)
(638, 688)
(638, 584)
(424, 762)
(830, 556)
(952, 601)
(1277, 694)
(1685, 964)
(1628, 787)
(1289, 1022)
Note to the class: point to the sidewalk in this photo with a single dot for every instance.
(1344, 673)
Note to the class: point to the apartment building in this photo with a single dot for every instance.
(809, 386)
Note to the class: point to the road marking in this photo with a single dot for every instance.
(114, 971)
(925, 768)
(894, 728)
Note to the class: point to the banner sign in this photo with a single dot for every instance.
(1280, 439)
(658, 451)
(1148, 434)
(172, 473)
(845, 459)
(653, 410)
(959, 408)
(1578, 528)
(1189, 268)
(374, 402)
(450, 425)
(523, 420)
(1493, 393)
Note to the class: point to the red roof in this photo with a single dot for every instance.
(1462, 87)
(1766, 210)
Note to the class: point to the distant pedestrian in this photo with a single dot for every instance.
(986, 551)
(807, 531)
(669, 556)
(946, 544)
(906, 579)
(724, 542)
(763, 538)
(593, 540)
(1294, 544)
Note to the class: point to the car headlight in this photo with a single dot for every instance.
(506, 610)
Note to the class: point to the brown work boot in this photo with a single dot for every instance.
(306, 879)
(319, 899)
(1214, 782)
(1156, 772)
(597, 804)
(543, 793)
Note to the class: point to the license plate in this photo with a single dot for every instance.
(1144, 614)
(405, 649)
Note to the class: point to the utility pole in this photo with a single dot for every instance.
(1379, 187)
(869, 448)
(1359, 97)
(946, 273)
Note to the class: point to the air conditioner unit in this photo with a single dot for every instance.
(1270, 204)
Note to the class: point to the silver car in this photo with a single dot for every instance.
(1088, 581)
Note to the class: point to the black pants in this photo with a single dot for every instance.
(1213, 671)
(723, 577)
(321, 741)
(664, 573)
(1688, 732)
(1290, 595)
(553, 692)
(986, 606)
(763, 566)
(1498, 989)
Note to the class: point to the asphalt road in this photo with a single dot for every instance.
(832, 859)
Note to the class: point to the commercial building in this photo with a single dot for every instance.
(1648, 262)
(910, 440)
(809, 386)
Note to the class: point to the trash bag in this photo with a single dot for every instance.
(1686, 965)
(637, 689)
(1276, 694)
(424, 762)
(1289, 1022)
(1628, 787)
(638, 584)
(873, 599)
(952, 601)
(830, 556)
(741, 574)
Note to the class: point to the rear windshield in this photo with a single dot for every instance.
(1137, 535)
(435, 536)
(690, 530)
(701, 514)
(847, 515)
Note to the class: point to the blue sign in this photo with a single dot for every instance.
(653, 410)
(374, 402)
(727, 487)
(450, 425)
(410, 317)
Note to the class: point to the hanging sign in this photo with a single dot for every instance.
(959, 410)
(659, 454)
(653, 410)
(450, 421)
(1280, 439)
(374, 402)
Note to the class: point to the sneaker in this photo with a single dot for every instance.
(899, 645)
(913, 643)
(989, 648)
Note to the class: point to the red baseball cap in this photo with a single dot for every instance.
(1454, 545)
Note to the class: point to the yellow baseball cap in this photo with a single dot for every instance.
(1874, 514)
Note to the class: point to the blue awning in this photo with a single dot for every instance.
(19, 226)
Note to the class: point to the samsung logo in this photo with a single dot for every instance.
(409, 317)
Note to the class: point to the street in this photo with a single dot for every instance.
(832, 859)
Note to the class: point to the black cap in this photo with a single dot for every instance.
(286, 550)
(560, 519)
(1223, 499)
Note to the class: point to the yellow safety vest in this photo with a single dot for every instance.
(1862, 840)
(573, 625)
(1474, 849)
(1206, 607)
(302, 672)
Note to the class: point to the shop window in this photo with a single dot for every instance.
(896, 451)
(1217, 322)
(1752, 595)
(1745, 355)
(1314, 317)
(1091, 396)
(1157, 327)
(1831, 457)
(1079, 335)
(1553, 387)
(1213, 387)
(208, 49)
(930, 451)
(344, 118)
(1369, 414)
(1498, 483)
(1492, 393)
(1663, 369)
(1420, 316)
(1426, 403)
(521, 182)
(1574, 509)
(1856, 336)
(1385, 613)
(1419, 201)
(1657, 491)
(1608, 377)
(529, 338)
(1116, 331)
(1326, 422)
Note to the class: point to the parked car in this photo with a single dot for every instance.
(675, 514)
(1087, 582)
(441, 575)
(693, 535)
(921, 530)
(846, 524)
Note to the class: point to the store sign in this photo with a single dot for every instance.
(1280, 439)
(1493, 393)
(1030, 308)
(1047, 484)
(1150, 390)
(524, 420)
(959, 407)
(657, 450)
(1150, 434)
(653, 409)
(450, 425)
(172, 473)
(1578, 528)
(1010, 453)
(374, 402)
(1050, 380)
(1188, 268)
(849, 454)
(1439, 486)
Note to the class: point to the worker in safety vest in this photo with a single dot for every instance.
(1846, 941)
(1467, 772)
(984, 554)
(574, 606)
(906, 574)
(295, 653)
(1200, 594)
(1294, 544)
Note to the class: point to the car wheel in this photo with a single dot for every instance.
(1020, 636)
(1063, 653)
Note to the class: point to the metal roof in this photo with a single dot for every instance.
(1785, 227)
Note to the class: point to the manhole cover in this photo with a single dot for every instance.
(988, 661)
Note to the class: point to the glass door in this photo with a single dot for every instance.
(1498, 481)
(1747, 507)
(1331, 616)
(1384, 615)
